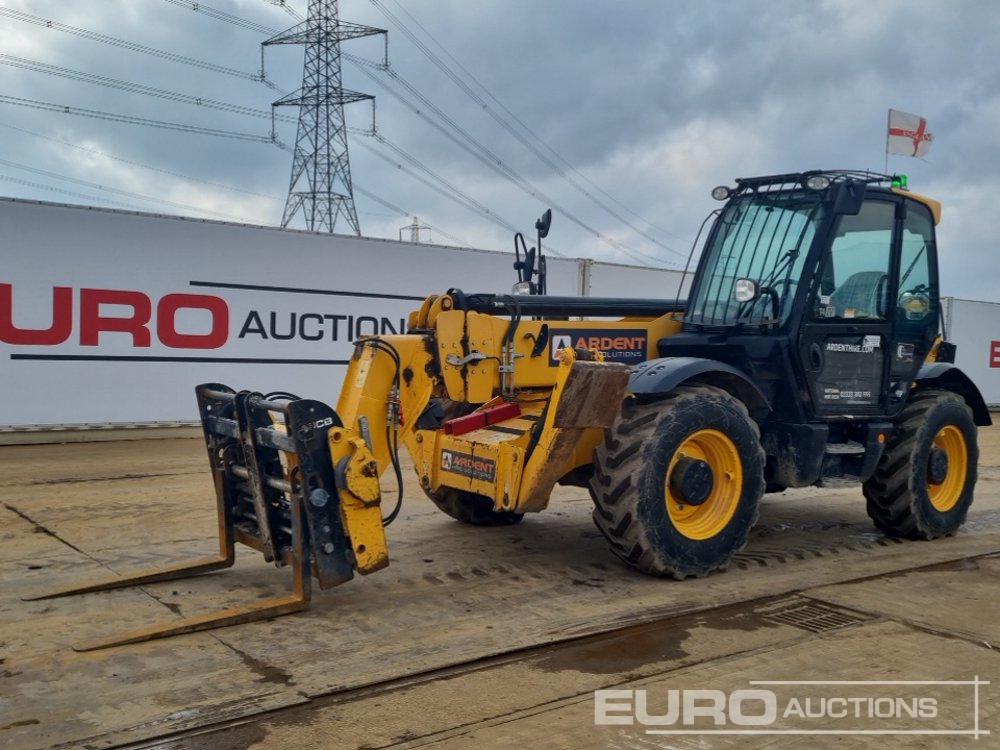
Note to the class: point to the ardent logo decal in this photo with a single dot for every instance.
(625, 345)
(468, 465)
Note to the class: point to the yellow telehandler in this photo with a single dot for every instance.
(808, 348)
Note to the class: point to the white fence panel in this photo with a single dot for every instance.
(974, 327)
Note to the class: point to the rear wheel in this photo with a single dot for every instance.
(468, 507)
(924, 482)
(677, 482)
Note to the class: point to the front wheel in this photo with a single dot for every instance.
(677, 482)
(922, 487)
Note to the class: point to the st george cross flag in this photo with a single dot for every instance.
(908, 134)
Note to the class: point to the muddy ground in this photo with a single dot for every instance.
(488, 638)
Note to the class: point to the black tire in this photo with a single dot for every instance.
(468, 507)
(630, 485)
(912, 494)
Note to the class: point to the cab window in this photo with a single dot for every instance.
(917, 301)
(854, 282)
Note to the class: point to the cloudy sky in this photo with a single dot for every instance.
(620, 115)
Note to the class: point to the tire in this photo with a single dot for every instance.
(638, 489)
(914, 493)
(468, 507)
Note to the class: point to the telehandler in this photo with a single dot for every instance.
(808, 348)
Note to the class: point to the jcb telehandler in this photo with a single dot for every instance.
(808, 348)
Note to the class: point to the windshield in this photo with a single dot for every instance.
(760, 236)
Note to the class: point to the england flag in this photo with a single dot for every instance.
(908, 134)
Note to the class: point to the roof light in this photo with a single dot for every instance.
(899, 181)
(721, 193)
(818, 182)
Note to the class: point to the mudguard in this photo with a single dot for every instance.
(663, 375)
(949, 377)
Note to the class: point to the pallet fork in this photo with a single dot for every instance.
(253, 444)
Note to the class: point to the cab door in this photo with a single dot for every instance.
(846, 339)
(917, 304)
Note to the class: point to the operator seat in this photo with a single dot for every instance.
(863, 292)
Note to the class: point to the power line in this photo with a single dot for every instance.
(85, 196)
(502, 121)
(131, 46)
(287, 8)
(482, 153)
(130, 120)
(497, 162)
(397, 211)
(130, 162)
(458, 196)
(129, 194)
(137, 88)
(527, 129)
(402, 212)
(449, 191)
(200, 7)
(199, 101)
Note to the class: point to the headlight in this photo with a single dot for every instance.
(746, 290)
(818, 182)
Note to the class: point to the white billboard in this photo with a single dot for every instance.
(114, 317)
(616, 280)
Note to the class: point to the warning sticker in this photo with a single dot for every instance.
(625, 345)
(468, 465)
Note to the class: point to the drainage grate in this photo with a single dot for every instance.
(816, 618)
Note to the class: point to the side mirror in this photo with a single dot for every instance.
(849, 198)
(543, 224)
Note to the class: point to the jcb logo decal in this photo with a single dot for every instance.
(625, 345)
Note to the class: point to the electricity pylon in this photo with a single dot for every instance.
(321, 170)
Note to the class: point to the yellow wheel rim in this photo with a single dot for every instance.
(945, 495)
(707, 519)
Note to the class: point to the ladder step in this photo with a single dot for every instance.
(850, 447)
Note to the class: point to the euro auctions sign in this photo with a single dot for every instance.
(178, 320)
(111, 317)
(801, 707)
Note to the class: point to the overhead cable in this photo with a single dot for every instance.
(132, 46)
(133, 163)
(502, 121)
(130, 120)
(96, 186)
(138, 88)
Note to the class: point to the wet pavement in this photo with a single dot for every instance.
(472, 637)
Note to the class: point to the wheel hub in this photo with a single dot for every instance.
(691, 481)
(937, 466)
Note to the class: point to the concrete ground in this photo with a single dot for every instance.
(489, 638)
